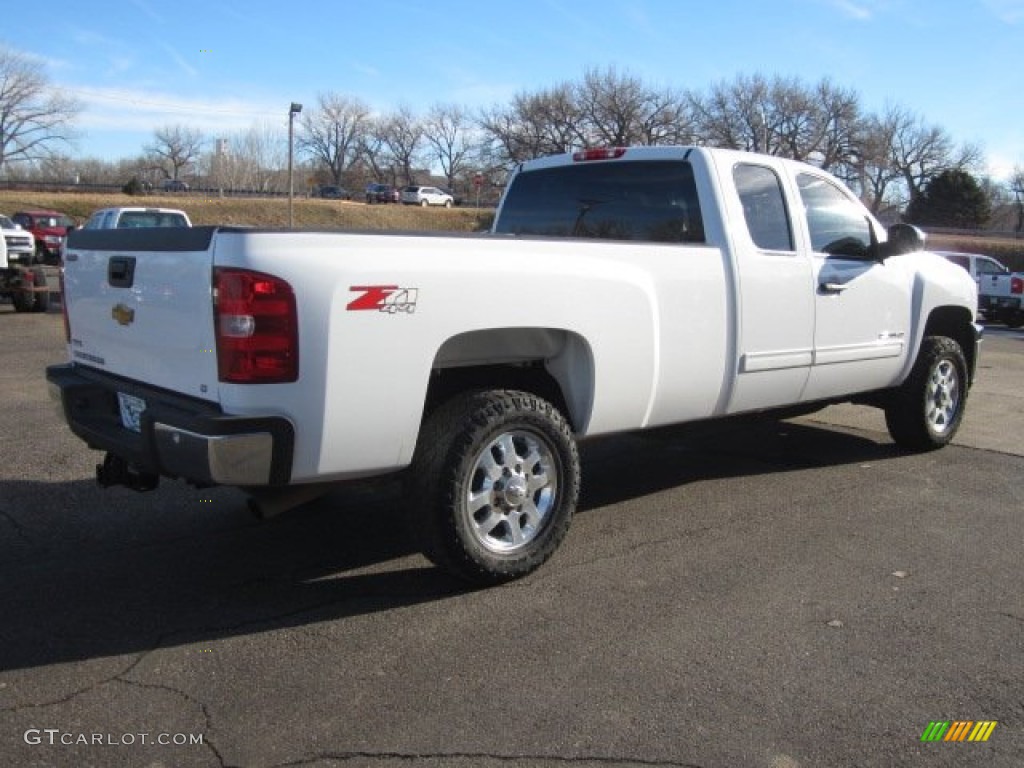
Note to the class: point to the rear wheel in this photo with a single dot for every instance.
(493, 485)
(1014, 320)
(926, 411)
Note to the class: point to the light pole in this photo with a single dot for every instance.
(293, 110)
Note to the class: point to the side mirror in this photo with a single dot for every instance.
(903, 238)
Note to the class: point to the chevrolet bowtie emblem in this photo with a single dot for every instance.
(124, 315)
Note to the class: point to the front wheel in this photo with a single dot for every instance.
(926, 411)
(493, 485)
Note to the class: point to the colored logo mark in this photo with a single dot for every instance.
(959, 730)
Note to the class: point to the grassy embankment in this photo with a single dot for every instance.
(261, 212)
(336, 214)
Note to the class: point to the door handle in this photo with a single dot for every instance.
(832, 287)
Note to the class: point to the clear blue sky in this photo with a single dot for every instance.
(224, 66)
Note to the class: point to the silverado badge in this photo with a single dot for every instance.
(122, 314)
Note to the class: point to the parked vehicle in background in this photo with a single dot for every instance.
(173, 185)
(332, 192)
(129, 218)
(49, 228)
(21, 280)
(999, 290)
(425, 196)
(381, 193)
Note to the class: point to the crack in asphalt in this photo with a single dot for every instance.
(414, 757)
(81, 691)
(1013, 616)
(207, 717)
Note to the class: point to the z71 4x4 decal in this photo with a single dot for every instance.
(383, 298)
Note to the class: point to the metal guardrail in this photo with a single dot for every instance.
(59, 186)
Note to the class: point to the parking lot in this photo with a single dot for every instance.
(767, 595)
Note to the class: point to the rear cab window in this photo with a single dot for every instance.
(764, 207)
(990, 267)
(648, 200)
(130, 219)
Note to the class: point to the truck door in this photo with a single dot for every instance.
(775, 337)
(862, 307)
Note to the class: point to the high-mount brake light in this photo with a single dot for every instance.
(602, 153)
(256, 326)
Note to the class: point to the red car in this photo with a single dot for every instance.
(50, 228)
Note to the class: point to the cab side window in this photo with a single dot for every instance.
(837, 225)
(764, 207)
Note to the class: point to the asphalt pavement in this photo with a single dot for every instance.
(776, 595)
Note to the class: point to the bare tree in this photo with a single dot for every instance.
(783, 117)
(374, 153)
(871, 170)
(334, 132)
(445, 130)
(251, 159)
(175, 148)
(545, 123)
(620, 110)
(920, 152)
(734, 115)
(402, 134)
(35, 118)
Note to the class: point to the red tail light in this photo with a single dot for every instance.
(602, 153)
(256, 327)
(1016, 285)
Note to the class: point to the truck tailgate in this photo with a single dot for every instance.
(139, 305)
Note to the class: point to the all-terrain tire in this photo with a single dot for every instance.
(926, 411)
(493, 485)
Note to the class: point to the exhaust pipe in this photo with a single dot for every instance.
(266, 503)
(116, 471)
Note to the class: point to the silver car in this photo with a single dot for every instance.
(425, 196)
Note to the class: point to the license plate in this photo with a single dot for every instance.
(131, 411)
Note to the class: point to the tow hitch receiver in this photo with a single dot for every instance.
(116, 471)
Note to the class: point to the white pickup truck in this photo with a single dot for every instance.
(1000, 291)
(618, 290)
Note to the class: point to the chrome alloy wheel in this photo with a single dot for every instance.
(942, 396)
(513, 487)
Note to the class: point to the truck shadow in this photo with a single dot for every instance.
(88, 573)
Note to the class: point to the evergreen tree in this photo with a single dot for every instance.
(952, 199)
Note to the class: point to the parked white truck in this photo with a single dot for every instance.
(618, 290)
(1000, 291)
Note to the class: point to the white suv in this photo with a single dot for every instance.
(426, 196)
